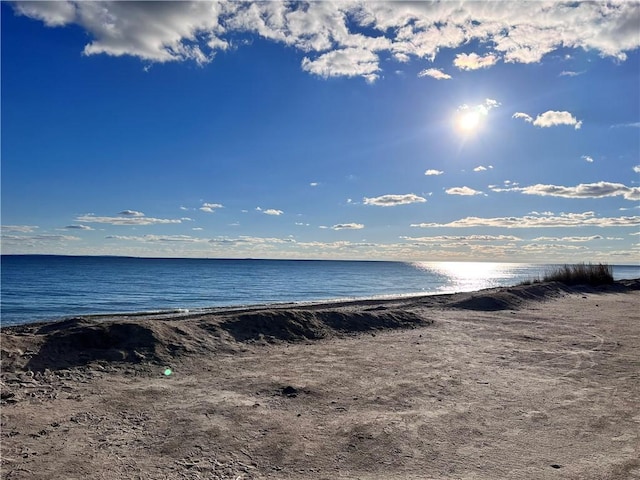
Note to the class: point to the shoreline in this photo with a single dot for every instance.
(187, 313)
(531, 381)
(33, 293)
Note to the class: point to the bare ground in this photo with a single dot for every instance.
(538, 382)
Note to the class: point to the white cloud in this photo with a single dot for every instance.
(78, 227)
(527, 118)
(126, 220)
(158, 238)
(462, 191)
(473, 61)
(469, 118)
(394, 200)
(53, 14)
(587, 158)
(584, 219)
(18, 228)
(584, 190)
(314, 184)
(568, 73)
(347, 38)
(568, 239)
(484, 108)
(433, 172)
(441, 239)
(270, 211)
(43, 237)
(481, 168)
(552, 118)
(348, 226)
(168, 31)
(210, 207)
(348, 62)
(636, 168)
(131, 213)
(434, 73)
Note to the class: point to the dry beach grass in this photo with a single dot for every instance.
(535, 381)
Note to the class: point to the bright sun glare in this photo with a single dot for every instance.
(469, 121)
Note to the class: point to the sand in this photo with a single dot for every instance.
(529, 382)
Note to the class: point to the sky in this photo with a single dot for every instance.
(411, 131)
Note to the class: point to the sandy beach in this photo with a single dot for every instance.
(529, 382)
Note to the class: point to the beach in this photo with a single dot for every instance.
(535, 381)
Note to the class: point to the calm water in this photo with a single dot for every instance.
(36, 288)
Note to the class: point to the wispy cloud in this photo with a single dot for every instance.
(438, 239)
(569, 73)
(43, 237)
(627, 125)
(587, 158)
(569, 239)
(434, 73)
(131, 213)
(462, 191)
(210, 207)
(348, 226)
(526, 117)
(19, 228)
(550, 118)
(394, 200)
(188, 239)
(539, 221)
(636, 168)
(78, 227)
(136, 218)
(158, 238)
(583, 190)
(481, 168)
(432, 171)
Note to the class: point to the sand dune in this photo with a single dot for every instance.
(539, 381)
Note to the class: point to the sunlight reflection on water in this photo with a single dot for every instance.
(466, 276)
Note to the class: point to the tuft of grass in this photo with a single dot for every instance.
(582, 274)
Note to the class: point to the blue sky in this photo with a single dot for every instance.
(497, 131)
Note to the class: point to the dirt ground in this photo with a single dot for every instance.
(539, 382)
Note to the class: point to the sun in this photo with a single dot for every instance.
(469, 121)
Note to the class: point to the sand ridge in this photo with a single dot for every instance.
(538, 381)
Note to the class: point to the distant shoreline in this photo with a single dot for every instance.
(266, 259)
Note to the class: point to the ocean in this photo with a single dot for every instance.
(47, 287)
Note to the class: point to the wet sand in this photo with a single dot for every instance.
(529, 382)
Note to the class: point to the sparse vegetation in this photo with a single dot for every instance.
(578, 274)
(582, 274)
